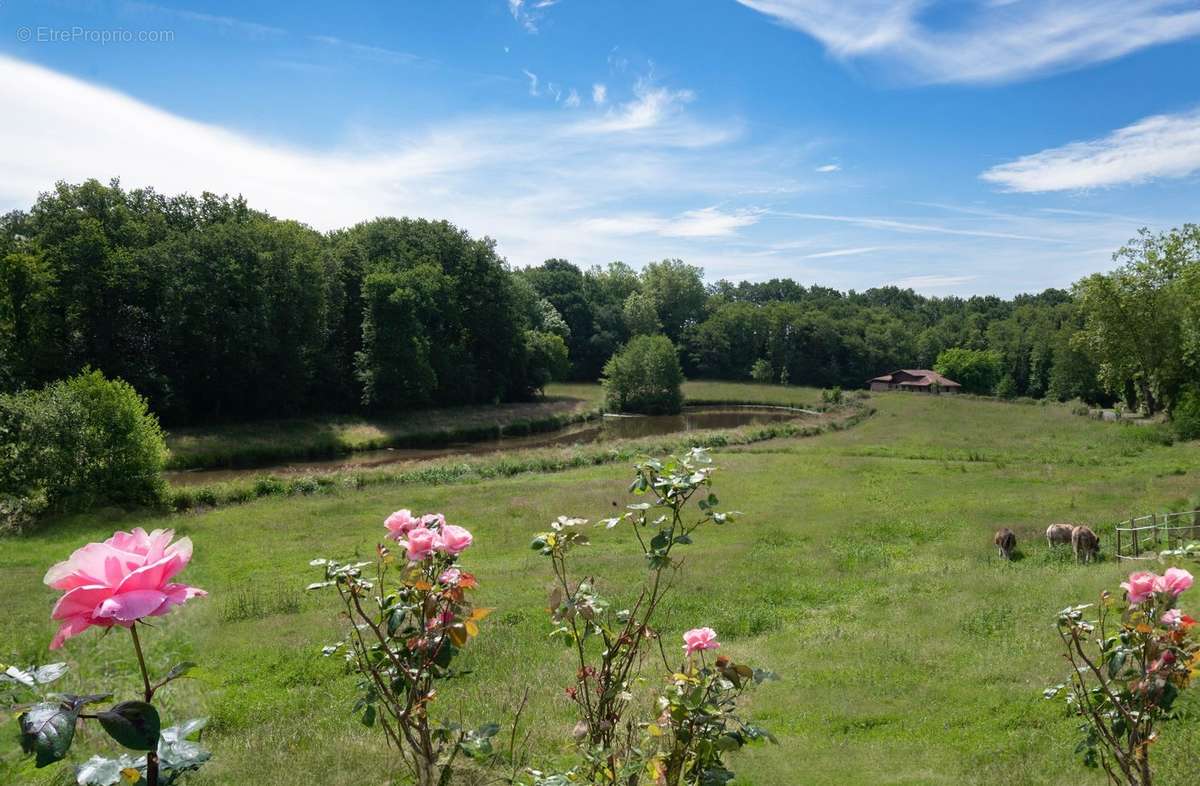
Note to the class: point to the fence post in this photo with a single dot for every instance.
(1137, 541)
(1118, 541)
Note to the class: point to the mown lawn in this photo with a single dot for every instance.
(862, 572)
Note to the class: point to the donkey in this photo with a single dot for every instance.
(1006, 543)
(1059, 534)
(1085, 544)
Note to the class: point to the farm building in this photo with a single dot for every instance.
(921, 380)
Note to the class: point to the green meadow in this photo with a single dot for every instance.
(862, 572)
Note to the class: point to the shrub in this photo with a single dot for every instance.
(644, 377)
(832, 396)
(1186, 415)
(81, 442)
(761, 371)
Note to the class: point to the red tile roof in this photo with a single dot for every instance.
(924, 378)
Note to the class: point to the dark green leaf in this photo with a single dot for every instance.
(134, 724)
(47, 730)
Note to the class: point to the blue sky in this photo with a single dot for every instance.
(954, 146)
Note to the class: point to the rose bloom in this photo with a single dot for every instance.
(120, 581)
(1175, 581)
(1140, 586)
(455, 540)
(401, 523)
(1171, 618)
(698, 639)
(450, 577)
(433, 520)
(421, 543)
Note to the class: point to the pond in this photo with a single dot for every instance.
(609, 427)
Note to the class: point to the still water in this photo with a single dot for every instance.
(607, 428)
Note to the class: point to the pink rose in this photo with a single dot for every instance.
(450, 577)
(1175, 581)
(455, 540)
(1171, 619)
(698, 639)
(433, 520)
(1140, 586)
(421, 543)
(120, 581)
(1164, 661)
(401, 523)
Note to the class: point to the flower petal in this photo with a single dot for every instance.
(131, 606)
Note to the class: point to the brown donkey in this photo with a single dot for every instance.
(1006, 543)
(1085, 544)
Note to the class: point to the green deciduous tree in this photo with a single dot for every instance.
(977, 370)
(644, 377)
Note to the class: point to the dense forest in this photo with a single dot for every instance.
(212, 309)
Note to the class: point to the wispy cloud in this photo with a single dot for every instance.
(1162, 146)
(229, 23)
(932, 281)
(533, 82)
(651, 105)
(529, 14)
(702, 223)
(378, 53)
(599, 93)
(953, 41)
(913, 227)
(842, 252)
(826, 168)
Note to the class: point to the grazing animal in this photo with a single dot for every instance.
(1085, 544)
(1059, 534)
(1006, 543)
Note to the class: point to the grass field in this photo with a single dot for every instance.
(861, 572)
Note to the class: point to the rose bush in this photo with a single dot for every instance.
(410, 617)
(698, 721)
(609, 642)
(1127, 668)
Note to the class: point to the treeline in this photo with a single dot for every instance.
(816, 335)
(212, 309)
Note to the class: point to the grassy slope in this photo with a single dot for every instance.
(862, 573)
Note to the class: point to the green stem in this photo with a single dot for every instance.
(151, 756)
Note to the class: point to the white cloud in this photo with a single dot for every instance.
(533, 82)
(650, 106)
(527, 14)
(985, 41)
(909, 227)
(842, 252)
(829, 168)
(572, 98)
(1161, 146)
(599, 93)
(705, 222)
(932, 281)
(530, 179)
